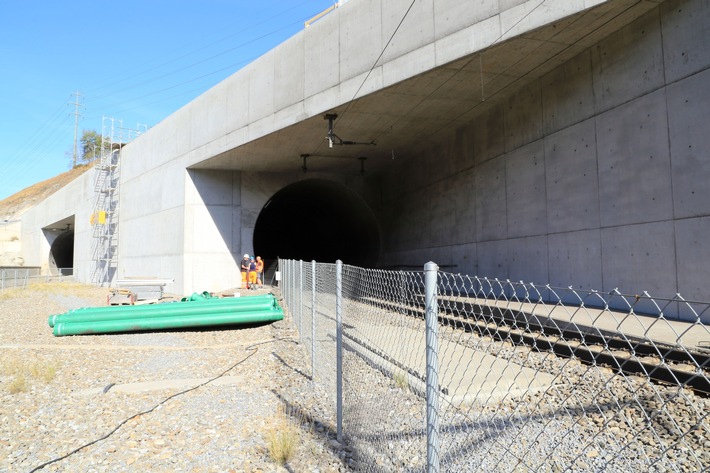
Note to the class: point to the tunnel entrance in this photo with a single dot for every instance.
(317, 220)
(61, 254)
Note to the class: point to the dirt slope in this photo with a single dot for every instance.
(14, 206)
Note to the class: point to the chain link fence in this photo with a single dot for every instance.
(20, 278)
(477, 374)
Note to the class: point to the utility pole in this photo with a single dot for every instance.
(76, 113)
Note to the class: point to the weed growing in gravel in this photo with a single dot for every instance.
(18, 384)
(21, 371)
(282, 438)
(400, 380)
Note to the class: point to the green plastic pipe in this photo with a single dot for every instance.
(159, 323)
(159, 310)
(216, 300)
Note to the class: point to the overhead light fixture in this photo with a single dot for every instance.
(334, 139)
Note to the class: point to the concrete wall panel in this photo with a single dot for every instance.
(686, 29)
(453, 15)
(528, 259)
(237, 94)
(492, 258)
(688, 122)
(633, 52)
(412, 32)
(634, 162)
(523, 116)
(525, 191)
(639, 258)
(489, 135)
(571, 179)
(289, 73)
(360, 26)
(322, 54)
(261, 87)
(693, 252)
(567, 94)
(491, 207)
(575, 259)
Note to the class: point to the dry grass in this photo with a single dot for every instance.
(21, 371)
(18, 203)
(400, 380)
(69, 287)
(283, 437)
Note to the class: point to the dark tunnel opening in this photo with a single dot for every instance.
(317, 220)
(62, 253)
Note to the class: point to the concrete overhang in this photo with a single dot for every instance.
(406, 116)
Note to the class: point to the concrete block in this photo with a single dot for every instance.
(693, 253)
(688, 118)
(633, 160)
(686, 29)
(491, 207)
(628, 64)
(638, 258)
(567, 94)
(575, 259)
(525, 191)
(572, 187)
(523, 116)
(289, 72)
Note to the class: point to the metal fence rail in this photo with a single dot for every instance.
(472, 374)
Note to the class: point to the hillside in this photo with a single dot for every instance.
(14, 206)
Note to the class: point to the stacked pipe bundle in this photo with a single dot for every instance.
(184, 314)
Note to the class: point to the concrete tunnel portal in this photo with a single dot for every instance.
(320, 220)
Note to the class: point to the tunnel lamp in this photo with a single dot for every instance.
(362, 164)
(305, 166)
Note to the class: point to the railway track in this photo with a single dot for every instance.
(660, 362)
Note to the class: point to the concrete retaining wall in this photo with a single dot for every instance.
(595, 175)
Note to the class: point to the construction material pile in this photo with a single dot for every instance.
(201, 311)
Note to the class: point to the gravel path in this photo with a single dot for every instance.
(198, 401)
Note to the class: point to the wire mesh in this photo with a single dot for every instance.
(530, 378)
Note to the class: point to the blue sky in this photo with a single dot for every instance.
(135, 62)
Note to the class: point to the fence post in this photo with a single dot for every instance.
(339, 347)
(300, 299)
(432, 366)
(313, 321)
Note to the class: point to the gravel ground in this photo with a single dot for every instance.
(79, 398)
